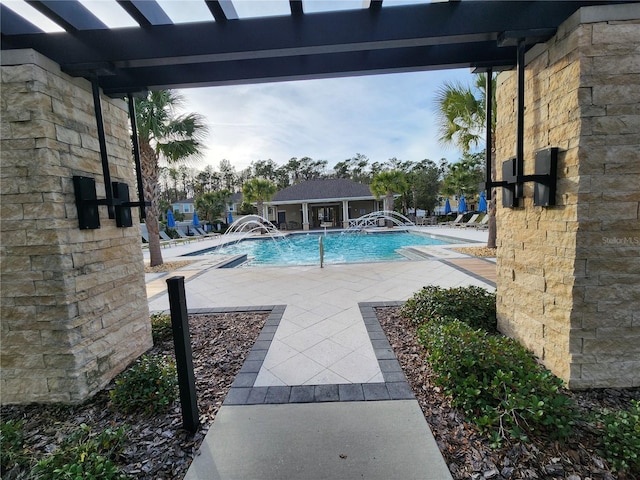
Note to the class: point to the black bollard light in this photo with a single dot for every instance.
(184, 360)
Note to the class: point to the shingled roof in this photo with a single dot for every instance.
(326, 189)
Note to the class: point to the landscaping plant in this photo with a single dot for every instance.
(150, 385)
(84, 455)
(496, 382)
(472, 305)
(161, 329)
(620, 434)
(12, 451)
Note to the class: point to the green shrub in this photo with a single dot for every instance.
(150, 385)
(84, 455)
(496, 382)
(472, 305)
(12, 452)
(161, 329)
(621, 437)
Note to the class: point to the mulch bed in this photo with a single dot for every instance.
(468, 453)
(158, 449)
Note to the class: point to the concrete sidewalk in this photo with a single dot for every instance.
(321, 394)
(370, 440)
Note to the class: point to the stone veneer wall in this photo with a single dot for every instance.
(73, 302)
(569, 276)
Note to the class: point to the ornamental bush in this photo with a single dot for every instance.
(150, 385)
(496, 382)
(84, 455)
(161, 329)
(12, 451)
(472, 305)
(620, 436)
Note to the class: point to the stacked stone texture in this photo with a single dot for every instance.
(569, 276)
(73, 302)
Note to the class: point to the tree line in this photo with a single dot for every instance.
(426, 181)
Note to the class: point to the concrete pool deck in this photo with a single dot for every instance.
(320, 351)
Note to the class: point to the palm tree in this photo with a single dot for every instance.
(259, 190)
(162, 134)
(387, 183)
(212, 205)
(461, 113)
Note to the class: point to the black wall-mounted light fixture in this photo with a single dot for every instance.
(86, 202)
(122, 204)
(116, 193)
(544, 178)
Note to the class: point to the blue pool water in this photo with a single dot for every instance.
(303, 249)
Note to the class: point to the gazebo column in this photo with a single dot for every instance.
(568, 273)
(74, 304)
(305, 216)
(345, 214)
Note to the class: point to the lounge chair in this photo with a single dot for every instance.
(182, 234)
(470, 222)
(164, 236)
(454, 222)
(144, 233)
(166, 240)
(484, 223)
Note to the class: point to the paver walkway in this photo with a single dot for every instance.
(321, 394)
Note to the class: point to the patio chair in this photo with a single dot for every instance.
(144, 233)
(184, 237)
(454, 222)
(471, 221)
(484, 223)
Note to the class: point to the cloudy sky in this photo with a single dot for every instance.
(380, 116)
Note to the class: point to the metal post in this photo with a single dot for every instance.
(489, 133)
(136, 154)
(184, 361)
(520, 113)
(103, 146)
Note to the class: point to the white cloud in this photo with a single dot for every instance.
(379, 116)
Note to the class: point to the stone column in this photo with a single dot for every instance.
(345, 214)
(74, 305)
(568, 275)
(305, 216)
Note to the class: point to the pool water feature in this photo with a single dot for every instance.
(303, 249)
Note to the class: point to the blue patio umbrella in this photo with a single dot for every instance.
(196, 221)
(482, 204)
(447, 207)
(171, 222)
(229, 218)
(462, 205)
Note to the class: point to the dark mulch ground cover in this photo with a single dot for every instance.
(157, 448)
(469, 454)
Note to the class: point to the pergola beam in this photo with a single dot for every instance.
(145, 13)
(222, 10)
(231, 50)
(69, 14)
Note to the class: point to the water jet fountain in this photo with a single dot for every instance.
(372, 220)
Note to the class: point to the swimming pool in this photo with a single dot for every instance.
(303, 249)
